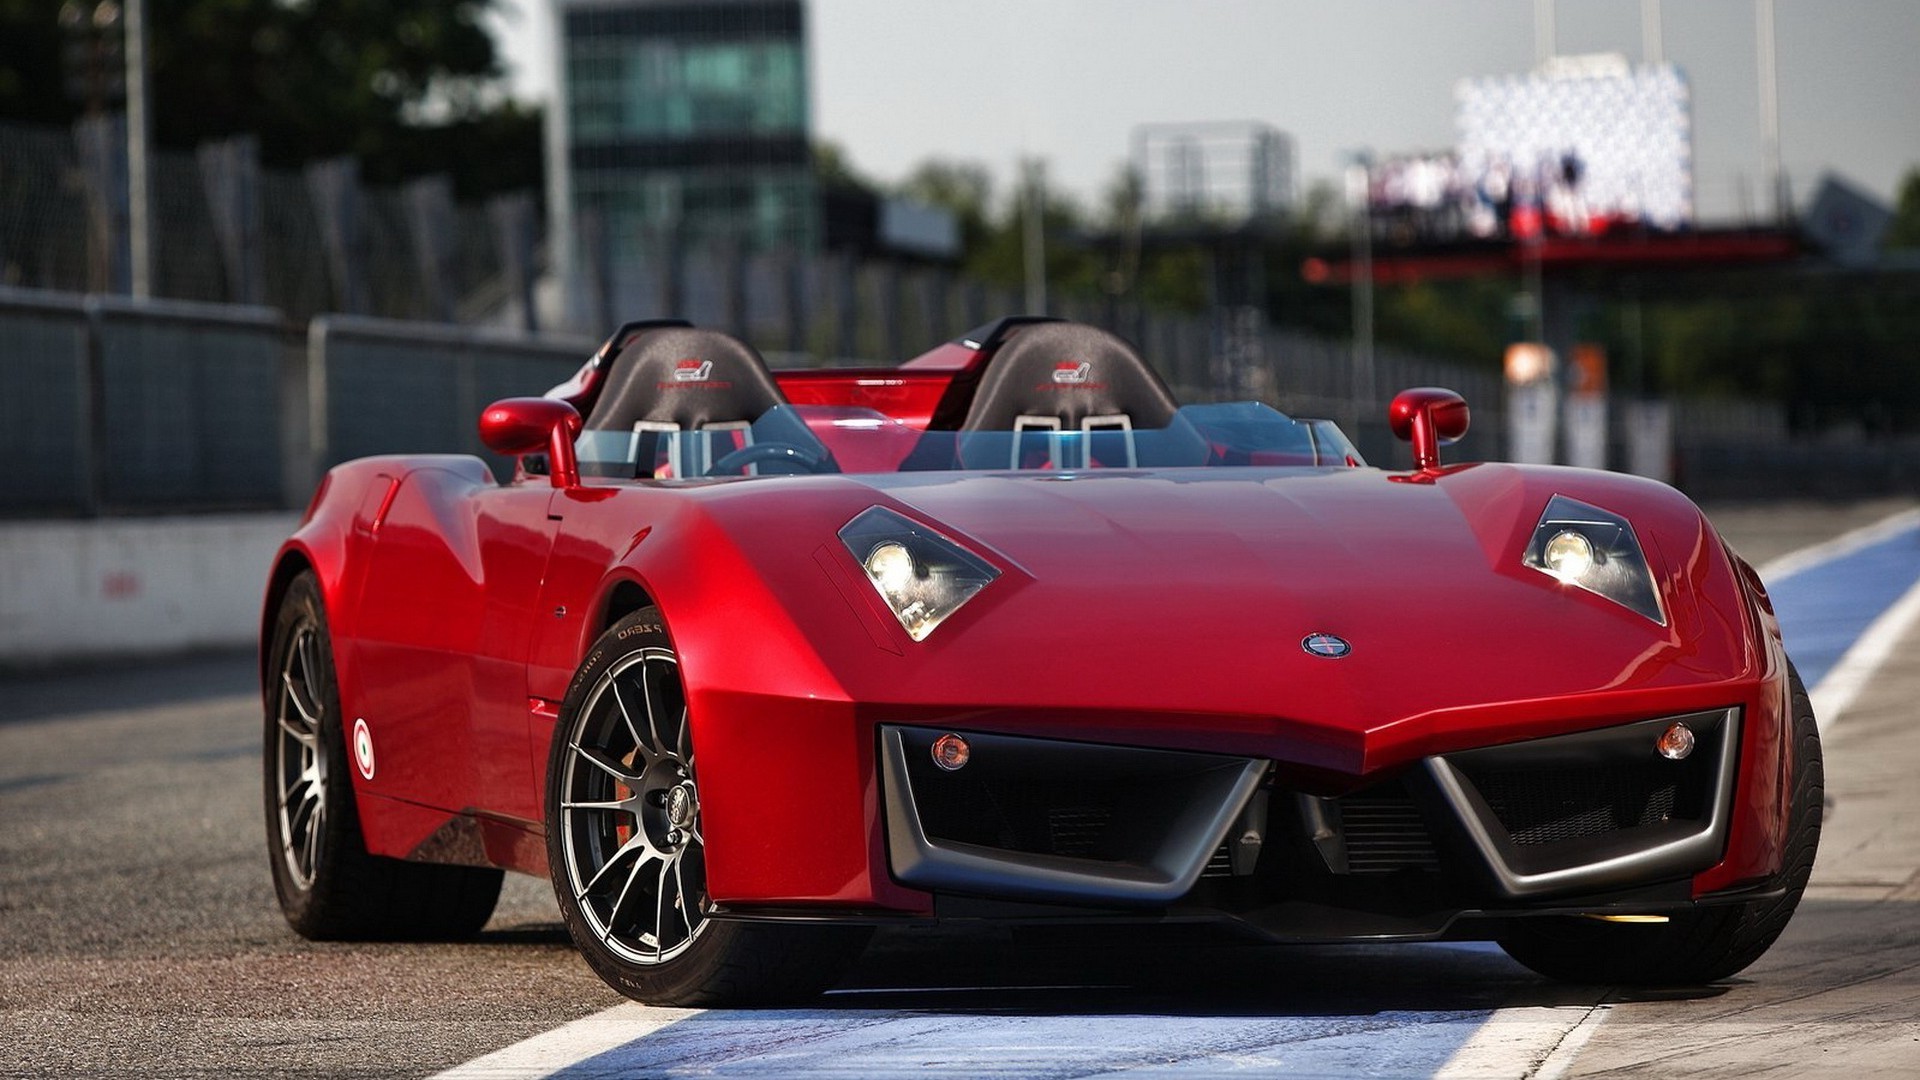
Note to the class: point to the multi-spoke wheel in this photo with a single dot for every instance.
(329, 887)
(296, 763)
(626, 849)
(630, 813)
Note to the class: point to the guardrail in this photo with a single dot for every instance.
(118, 407)
(114, 407)
(381, 386)
(110, 406)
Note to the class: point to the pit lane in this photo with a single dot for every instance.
(138, 931)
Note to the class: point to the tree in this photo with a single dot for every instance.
(409, 86)
(1904, 232)
(834, 168)
(31, 81)
(963, 188)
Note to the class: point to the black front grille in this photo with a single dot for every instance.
(1384, 832)
(1595, 785)
(1549, 807)
(1076, 830)
(1040, 797)
(1009, 811)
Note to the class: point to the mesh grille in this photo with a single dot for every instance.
(1066, 800)
(1077, 830)
(1547, 807)
(974, 808)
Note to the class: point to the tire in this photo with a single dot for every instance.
(1704, 945)
(626, 851)
(330, 889)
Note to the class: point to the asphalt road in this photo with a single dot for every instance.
(138, 931)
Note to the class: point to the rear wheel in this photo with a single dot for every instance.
(627, 850)
(329, 887)
(1703, 945)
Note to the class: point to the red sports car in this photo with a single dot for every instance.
(750, 663)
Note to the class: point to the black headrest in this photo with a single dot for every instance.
(1070, 371)
(687, 377)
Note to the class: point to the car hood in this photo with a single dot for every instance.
(1193, 591)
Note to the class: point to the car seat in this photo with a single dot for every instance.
(1068, 395)
(676, 401)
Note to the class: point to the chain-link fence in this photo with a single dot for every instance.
(116, 407)
(227, 231)
(113, 406)
(380, 386)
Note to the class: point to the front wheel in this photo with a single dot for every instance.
(329, 887)
(627, 852)
(1700, 946)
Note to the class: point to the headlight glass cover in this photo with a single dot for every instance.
(1596, 550)
(922, 575)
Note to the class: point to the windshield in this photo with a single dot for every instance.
(799, 439)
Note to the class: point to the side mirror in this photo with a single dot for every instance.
(1427, 416)
(529, 425)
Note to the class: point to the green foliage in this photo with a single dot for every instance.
(834, 169)
(1904, 232)
(964, 188)
(1462, 321)
(409, 86)
(1836, 350)
(31, 80)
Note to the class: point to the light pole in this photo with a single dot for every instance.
(139, 131)
(1360, 229)
(1769, 106)
(106, 68)
(1036, 235)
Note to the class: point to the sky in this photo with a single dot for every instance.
(896, 82)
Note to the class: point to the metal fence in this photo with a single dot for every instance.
(377, 386)
(46, 406)
(108, 406)
(228, 231)
(113, 407)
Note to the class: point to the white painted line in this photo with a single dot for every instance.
(880, 1045)
(569, 1044)
(1530, 1041)
(1842, 685)
(1806, 558)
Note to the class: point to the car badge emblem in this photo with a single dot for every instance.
(692, 370)
(1070, 373)
(1328, 645)
(363, 748)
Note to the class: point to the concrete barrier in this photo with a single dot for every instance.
(71, 590)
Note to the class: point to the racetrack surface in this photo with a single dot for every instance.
(138, 932)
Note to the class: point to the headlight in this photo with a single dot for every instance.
(923, 576)
(1594, 549)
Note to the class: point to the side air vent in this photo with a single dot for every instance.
(1595, 809)
(1044, 819)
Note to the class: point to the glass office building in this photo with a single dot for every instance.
(688, 119)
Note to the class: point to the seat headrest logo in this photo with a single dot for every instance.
(692, 369)
(1069, 373)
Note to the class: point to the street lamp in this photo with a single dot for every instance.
(91, 51)
(105, 54)
(1360, 228)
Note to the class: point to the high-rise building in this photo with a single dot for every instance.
(684, 121)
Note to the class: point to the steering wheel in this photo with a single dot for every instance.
(768, 452)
